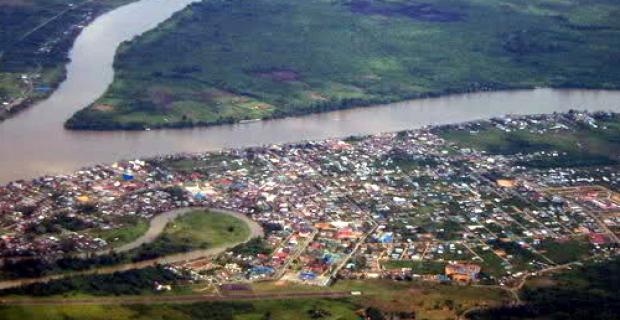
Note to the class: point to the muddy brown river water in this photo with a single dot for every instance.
(34, 142)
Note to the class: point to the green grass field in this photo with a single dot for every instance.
(418, 267)
(223, 61)
(199, 229)
(584, 146)
(271, 309)
(427, 300)
(203, 228)
(567, 251)
(130, 231)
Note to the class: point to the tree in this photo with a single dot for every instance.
(374, 314)
(318, 313)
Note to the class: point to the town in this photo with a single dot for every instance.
(407, 205)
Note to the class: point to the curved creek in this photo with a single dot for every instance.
(34, 143)
(156, 227)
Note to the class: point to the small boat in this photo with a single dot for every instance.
(250, 120)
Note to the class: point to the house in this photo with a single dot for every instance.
(462, 272)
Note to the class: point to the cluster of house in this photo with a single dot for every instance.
(85, 16)
(65, 214)
(398, 205)
(538, 124)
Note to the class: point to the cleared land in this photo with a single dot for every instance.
(225, 61)
(128, 232)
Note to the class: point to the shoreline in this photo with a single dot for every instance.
(133, 127)
(38, 145)
(30, 100)
(438, 152)
(341, 137)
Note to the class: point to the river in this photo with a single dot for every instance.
(34, 143)
(159, 222)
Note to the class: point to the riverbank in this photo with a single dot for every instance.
(39, 145)
(76, 122)
(34, 52)
(294, 59)
(42, 147)
(30, 97)
(88, 120)
(323, 196)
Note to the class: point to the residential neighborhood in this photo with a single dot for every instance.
(406, 205)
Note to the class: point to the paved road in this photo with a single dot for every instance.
(173, 299)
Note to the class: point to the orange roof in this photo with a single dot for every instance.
(322, 225)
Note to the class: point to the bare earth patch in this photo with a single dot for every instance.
(218, 96)
(262, 106)
(103, 107)
(317, 96)
(371, 77)
(542, 282)
(215, 94)
(280, 283)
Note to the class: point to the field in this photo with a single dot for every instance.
(202, 229)
(126, 283)
(567, 251)
(129, 231)
(418, 267)
(428, 301)
(584, 146)
(224, 61)
(278, 309)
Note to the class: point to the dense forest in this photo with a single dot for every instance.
(588, 292)
(224, 61)
(131, 282)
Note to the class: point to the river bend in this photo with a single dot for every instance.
(34, 143)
